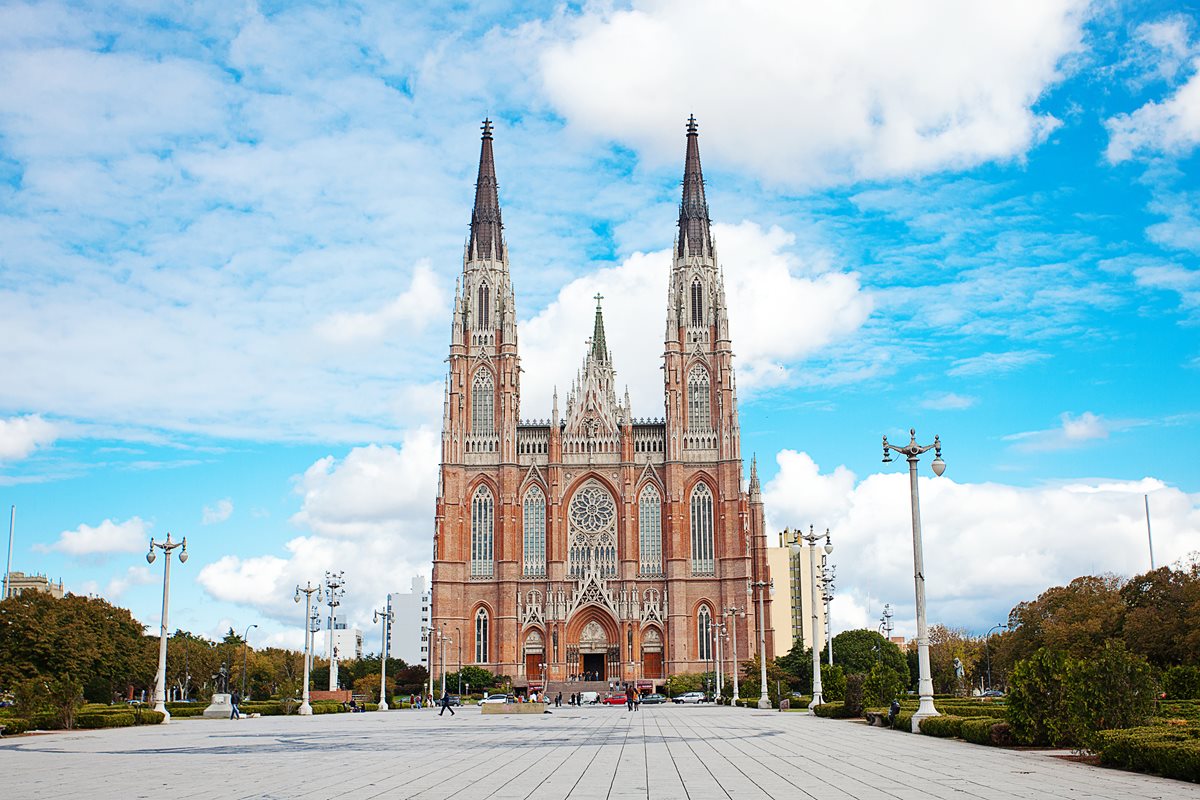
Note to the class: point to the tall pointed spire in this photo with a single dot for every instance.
(486, 239)
(755, 488)
(693, 208)
(599, 345)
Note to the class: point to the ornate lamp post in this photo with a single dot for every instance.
(764, 699)
(443, 639)
(812, 537)
(245, 653)
(387, 617)
(733, 612)
(305, 709)
(987, 649)
(160, 679)
(718, 631)
(911, 451)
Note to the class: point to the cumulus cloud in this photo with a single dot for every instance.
(369, 514)
(987, 546)
(1167, 127)
(133, 576)
(811, 93)
(948, 401)
(217, 512)
(106, 538)
(20, 436)
(765, 284)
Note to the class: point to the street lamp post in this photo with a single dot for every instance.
(245, 653)
(444, 639)
(732, 612)
(334, 591)
(911, 451)
(988, 650)
(160, 679)
(764, 699)
(386, 616)
(458, 641)
(717, 629)
(812, 537)
(305, 709)
(427, 637)
(828, 573)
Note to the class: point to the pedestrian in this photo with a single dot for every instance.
(558, 700)
(446, 705)
(234, 702)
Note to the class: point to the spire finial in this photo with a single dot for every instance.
(692, 128)
(487, 128)
(486, 238)
(694, 236)
(599, 347)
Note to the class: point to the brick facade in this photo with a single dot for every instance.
(594, 542)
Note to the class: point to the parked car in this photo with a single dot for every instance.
(690, 697)
(496, 698)
(654, 699)
(455, 700)
(992, 693)
(614, 700)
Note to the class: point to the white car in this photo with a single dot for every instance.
(690, 697)
(495, 698)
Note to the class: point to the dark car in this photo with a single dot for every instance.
(992, 693)
(654, 699)
(455, 700)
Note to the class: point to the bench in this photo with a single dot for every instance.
(877, 719)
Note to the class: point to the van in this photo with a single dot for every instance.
(589, 697)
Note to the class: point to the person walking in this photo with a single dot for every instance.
(446, 705)
(234, 702)
(558, 700)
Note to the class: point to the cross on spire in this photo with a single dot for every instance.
(598, 298)
(487, 128)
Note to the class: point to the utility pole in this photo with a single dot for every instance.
(12, 524)
(334, 591)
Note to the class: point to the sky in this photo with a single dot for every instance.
(229, 236)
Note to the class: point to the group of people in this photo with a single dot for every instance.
(583, 676)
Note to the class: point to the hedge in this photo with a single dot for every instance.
(1172, 751)
(187, 710)
(903, 721)
(13, 726)
(834, 711)
(946, 726)
(124, 719)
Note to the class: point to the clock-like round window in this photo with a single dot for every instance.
(592, 510)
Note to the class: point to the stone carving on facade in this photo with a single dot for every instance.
(531, 608)
(653, 606)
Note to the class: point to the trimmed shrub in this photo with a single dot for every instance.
(974, 710)
(13, 726)
(977, 730)
(187, 710)
(1002, 735)
(904, 721)
(45, 722)
(1170, 751)
(124, 719)
(833, 682)
(947, 726)
(147, 717)
(881, 686)
(833, 711)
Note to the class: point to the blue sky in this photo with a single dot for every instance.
(230, 239)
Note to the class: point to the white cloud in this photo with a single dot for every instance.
(1072, 432)
(986, 546)
(808, 93)
(369, 513)
(20, 436)
(1170, 127)
(995, 363)
(217, 512)
(134, 576)
(948, 401)
(424, 301)
(129, 536)
(765, 284)
(1185, 282)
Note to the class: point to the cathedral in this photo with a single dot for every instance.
(597, 543)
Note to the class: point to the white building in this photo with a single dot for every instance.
(411, 612)
(348, 641)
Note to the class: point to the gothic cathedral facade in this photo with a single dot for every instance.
(595, 543)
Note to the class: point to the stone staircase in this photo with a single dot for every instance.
(569, 688)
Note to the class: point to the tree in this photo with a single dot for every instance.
(881, 686)
(946, 645)
(369, 685)
(101, 645)
(857, 651)
(1076, 619)
(1160, 610)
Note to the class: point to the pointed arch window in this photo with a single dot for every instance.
(483, 312)
(697, 304)
(535, 533)
(650, 531)
(483, 404)
(698, 394)
(481, 636)
(702, 530)
(704, 650)
(482, 533)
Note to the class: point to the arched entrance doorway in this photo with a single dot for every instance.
(535, 657)
(652, 654)
(593, 648)
(593, 651)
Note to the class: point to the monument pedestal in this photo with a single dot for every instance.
(220, 707)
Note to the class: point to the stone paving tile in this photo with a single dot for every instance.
(666, 752)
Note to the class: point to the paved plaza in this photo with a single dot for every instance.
(691, 753)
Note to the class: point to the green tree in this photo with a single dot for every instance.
(881, 686)
(1076, 619)
(101, 645)
(857, 651)
(833, 682)
(1160, 612)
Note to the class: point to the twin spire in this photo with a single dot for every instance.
(693, 208)
(487, 241)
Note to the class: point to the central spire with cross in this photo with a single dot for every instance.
(599, 345)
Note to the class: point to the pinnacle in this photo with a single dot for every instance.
(694, 233)
(599, 345)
